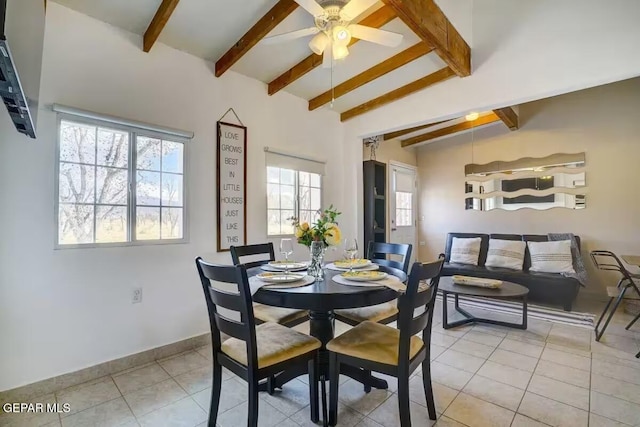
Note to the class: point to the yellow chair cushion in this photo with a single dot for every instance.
(268, 313)
(374, 313)
(276, 343)
(373, 341)
(613, 292)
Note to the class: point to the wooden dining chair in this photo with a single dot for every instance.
(395, 352)
(254, 353)
(381, 313)
(265, 313)
(608, 261)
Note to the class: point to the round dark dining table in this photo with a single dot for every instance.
(321, 298)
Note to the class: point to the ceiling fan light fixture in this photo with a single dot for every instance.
(341, 35)
(319, 43)
(340, 52)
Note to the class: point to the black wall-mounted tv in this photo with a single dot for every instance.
(510, 186)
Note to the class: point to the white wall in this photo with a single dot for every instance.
(521, 51)
(63, 310)
(602, 122)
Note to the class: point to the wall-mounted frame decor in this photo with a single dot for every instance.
(543, 183)
(231, 167)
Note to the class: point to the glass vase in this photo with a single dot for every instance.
(317, 250)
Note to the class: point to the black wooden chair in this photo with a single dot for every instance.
(254, 353)
(396, 352)
(381, 313)
(608, 261)
(265, 313)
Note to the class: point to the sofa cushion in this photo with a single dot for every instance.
(506, 253)
(551, 257)
(484, 245)
(465, 250)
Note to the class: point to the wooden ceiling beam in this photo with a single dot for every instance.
(450, 130)
(399, 93)
(403, 132)
(377, 19)
(158, 23)
(508, 117)
(428, 21)
(268, 22)
(414, 52)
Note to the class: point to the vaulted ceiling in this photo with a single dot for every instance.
(228, 32)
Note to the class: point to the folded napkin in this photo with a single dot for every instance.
(391, 282)
(255, 284)
(370, 267)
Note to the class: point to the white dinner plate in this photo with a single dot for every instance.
(280, 277)
(292, 265)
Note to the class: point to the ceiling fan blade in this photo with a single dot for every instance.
(290, 36)
(354, 8)
(327, 57)
(311, 6)
(374, 35)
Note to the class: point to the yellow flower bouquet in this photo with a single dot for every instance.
(325, 229)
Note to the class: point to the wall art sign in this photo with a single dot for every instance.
(232, 185)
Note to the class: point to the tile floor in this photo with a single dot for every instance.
(550, 374)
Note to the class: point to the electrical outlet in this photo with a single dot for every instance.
(136, 296)
(423, 243)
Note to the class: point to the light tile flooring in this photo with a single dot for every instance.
(550, 374)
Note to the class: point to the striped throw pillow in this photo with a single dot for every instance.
(465, 250)
(551, 257)
(506, 254)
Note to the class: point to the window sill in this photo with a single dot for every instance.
(58, 246)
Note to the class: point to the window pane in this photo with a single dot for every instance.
(287, 197)
(148, 188)
(148, 153)
(285, 222)
(77, 143)
(273, 196)
(315, 199)
(148, 223)
(273, 175)
(315, 180)
(75, 224)
(111, 186)
(111, 224)
(76, 183)
(304, 179)
(287, 176)
(172, 190)
(172, 223)
(172, 156)
(305, 216)
(273, 222)
(305, 198)
(113, 148)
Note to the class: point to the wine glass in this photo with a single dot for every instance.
(351, 251)
(286, 249)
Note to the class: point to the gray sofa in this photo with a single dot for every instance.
(547, 288)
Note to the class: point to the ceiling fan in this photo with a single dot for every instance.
(334, 30)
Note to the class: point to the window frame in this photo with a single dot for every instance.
(132, 169)
(296, 204)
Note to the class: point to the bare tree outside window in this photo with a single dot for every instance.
(95, 173)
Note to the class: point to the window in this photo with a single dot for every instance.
(404, 209)
(118, 184)
(291, 193)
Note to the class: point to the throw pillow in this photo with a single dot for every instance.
(551, 257)
(506, 254)
(465, 250)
